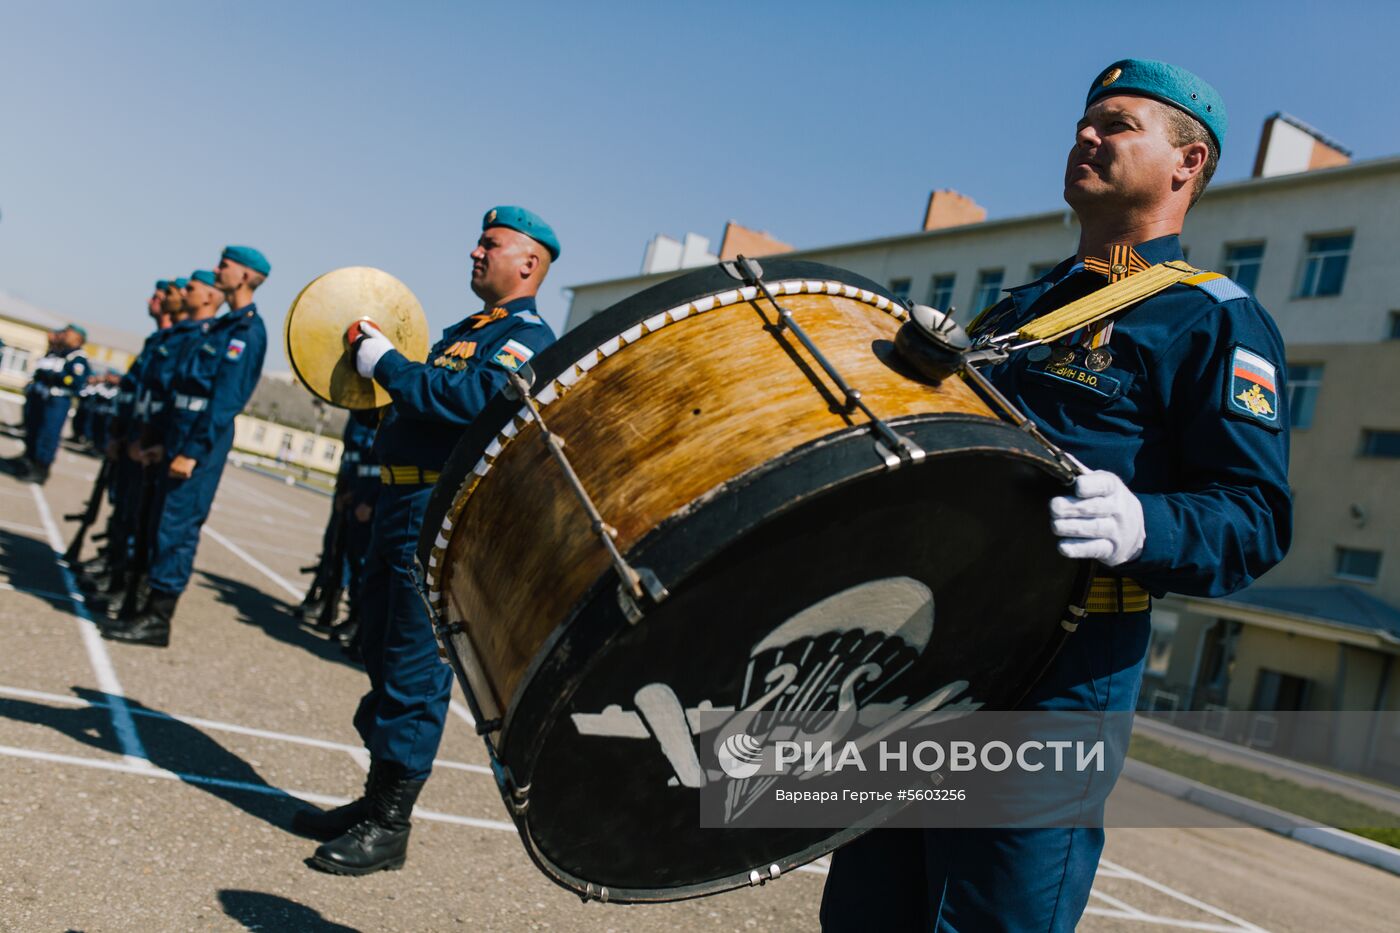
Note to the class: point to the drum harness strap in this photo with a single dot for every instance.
(894, 448)
(638, 583)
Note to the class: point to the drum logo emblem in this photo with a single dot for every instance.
(830, 672)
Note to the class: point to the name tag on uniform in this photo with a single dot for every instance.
(1101, 384)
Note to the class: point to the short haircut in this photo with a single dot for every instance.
(1183, 130)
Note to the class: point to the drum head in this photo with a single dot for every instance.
(319, 317)
(605, 804)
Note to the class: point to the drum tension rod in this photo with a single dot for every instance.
(637, 583)
(893, 447)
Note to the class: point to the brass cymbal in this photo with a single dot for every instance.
(319, 317)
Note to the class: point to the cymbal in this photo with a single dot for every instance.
(319, 317)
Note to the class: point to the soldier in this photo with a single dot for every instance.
(58, 378)
(401, 718)
(212, 381)
(1177, 406)
(363, 490)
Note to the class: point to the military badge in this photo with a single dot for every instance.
(1251, 388)
(235, 349)
(513, 355)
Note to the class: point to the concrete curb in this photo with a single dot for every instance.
(1336, 841)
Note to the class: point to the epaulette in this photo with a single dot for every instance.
(1217, 286)
(529, 317)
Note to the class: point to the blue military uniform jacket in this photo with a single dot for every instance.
(153, 399)
(60, 375)
(218, 370)
(465, 369)
(1190, 414)
(358, 467)
(125, 410)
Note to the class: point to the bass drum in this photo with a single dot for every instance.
(717, 447)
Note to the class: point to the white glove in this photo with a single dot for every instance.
(370, 349)
(1102, 522)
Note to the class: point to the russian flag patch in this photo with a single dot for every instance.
(513, 355)
(235, 349)
(1252, 388)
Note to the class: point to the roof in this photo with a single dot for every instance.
(1063, 215)
(1312, 131)
(16, 308)
(280, 398)
(1345, 606)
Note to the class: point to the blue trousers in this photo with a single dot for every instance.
(401, 718)
(180, 508)
(44, 416)
(975, 880)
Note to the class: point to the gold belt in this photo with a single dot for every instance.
(407, 476)
(1105, 595)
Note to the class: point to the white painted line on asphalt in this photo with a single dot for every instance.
(269, 548)
(256, 564)
(462, 713)
(42, 594)
(122, 723)
(1178, 923)
(233, 728)
(1125, 908)
(272, 501)
(1241, 926)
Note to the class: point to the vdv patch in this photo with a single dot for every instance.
(513, 355)
(1251, 391)
(235, 349)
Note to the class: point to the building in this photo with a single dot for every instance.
(25, 328)
(1314, 235)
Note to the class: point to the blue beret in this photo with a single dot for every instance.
(526, 222)
(81, 331)
(205, 276)
(247, 256)
(162, 284)
(1168, 84)
(181, 282)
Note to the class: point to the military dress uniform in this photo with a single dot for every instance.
(1183, 398)
(58, 378)
(214, 376)
(362, 484)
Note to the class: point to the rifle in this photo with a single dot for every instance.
(88, 515)
(135, 572)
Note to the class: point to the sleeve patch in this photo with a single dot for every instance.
(235, 349)
(1251, 388)
(1221, 288)
(513, 355)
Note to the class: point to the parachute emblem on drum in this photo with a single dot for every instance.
(831, 666)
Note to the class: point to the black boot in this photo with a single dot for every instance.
(380, 841)
(150, 626)
(38, 474)
(325, 825)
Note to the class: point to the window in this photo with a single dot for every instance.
(1380, 444)
(14, 360)
(328, 453)
(260, 433)
(1324, 266)
(1394, 332)
(1040, 270)
(1159, 655)
(988, 290)
(308, 446)
(1276, 691)
(899, 288)
(940, 293)
(1242, 262)
(1304, 382)
(1357, 564)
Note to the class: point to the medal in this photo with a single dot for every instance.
(1098, 360)
(1062, 356)
(1038, 354)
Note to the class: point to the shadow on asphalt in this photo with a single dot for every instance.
(172, 745)
(273, 616)
(259, 911)
(29, 563)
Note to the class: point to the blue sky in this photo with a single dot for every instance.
(140, 137)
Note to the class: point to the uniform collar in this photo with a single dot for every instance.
(520, 304)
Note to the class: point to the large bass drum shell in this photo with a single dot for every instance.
(530, 601)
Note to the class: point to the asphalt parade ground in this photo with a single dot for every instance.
(145, 789)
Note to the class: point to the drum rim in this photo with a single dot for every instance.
(591, 334)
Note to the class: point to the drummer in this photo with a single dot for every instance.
(401, 718)
(1178, 408)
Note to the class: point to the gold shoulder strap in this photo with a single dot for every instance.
(1106, 301)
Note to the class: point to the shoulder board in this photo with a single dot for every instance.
(1217, 286)
(529, 317)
